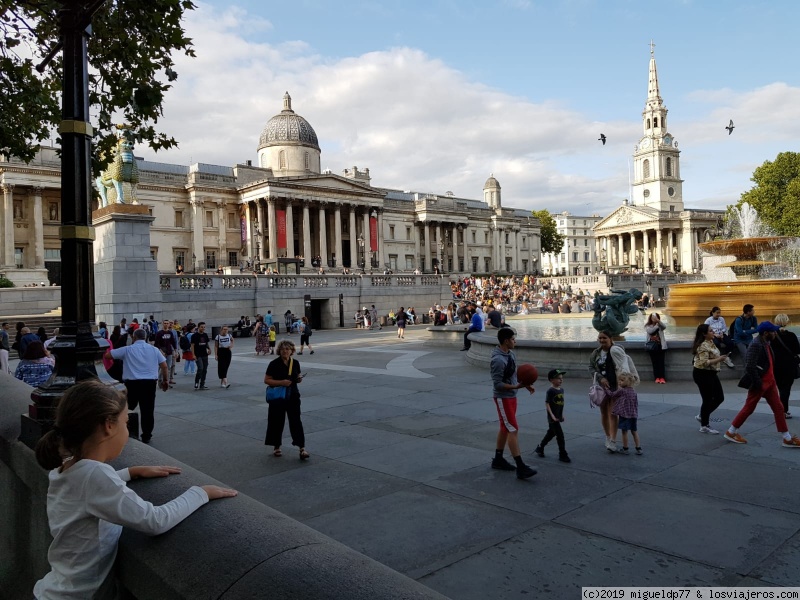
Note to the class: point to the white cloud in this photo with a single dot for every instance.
(419, 124)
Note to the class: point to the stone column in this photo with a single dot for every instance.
(620, 250)
(439, 249)
(659, 254)
(646, 249)
(353, 238)
(632, 254)
(517, 261)
(671, 245)
(427, 246)
(337, 233)
(454, 237)
(38, 229)
(223, 237)
(262, 226)
(416, 246)
(365, 233)
(381, 258)
(198, 245)
(289, 230)
(8, 226)
(272, 228)
(495, 247)
(323, 236)
(308, 253)
(464, 253)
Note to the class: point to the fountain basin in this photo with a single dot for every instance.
(745, 249)
(691, 303)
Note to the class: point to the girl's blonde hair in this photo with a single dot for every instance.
(81, 409)
(627, 377)
(285, 344)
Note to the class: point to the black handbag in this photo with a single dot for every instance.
(653, 344)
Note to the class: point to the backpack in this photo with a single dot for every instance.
(307, 330)
(731, 328)
(184, 343)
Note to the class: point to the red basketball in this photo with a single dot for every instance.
(527, 374)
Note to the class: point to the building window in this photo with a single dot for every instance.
(233, 259)
(180, 258)
(409, 261)
(150, 210)
(474, 264)
(53, 211)
(524, 243)
(584, 231)
(669, 167)
(585, 257)
(563, 257)
(647, 193)
(391, 233)
(209, 218)
(524, 265)
(154, 253)
(233, 222)
(179, 218)
(574, 257)
(648, 123)
(487, 263)
(655, 121)
(52, 253)
(282, 159)
(211, 259)
(19, 259)
(671, 191)
(506, 239)
(646, 168)
(585, 241)
(306, 161)
(473, 237)
(408, 233)
(485, 237)
(393, 262)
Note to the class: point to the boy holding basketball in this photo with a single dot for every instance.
(505, 384)
(554, 403)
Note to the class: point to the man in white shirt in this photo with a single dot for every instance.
(141, 364)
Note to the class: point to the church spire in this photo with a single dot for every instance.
(287, 103)
(654, 115)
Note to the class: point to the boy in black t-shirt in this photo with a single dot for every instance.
(200, 349)
(554, 403)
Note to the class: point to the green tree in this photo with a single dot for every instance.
(552, 241)
(776, 193)
(130, 69)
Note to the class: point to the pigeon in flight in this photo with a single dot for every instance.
(602, 137)
(729, 128)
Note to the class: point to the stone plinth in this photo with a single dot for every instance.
(125, 276)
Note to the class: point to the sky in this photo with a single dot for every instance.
(434, 96)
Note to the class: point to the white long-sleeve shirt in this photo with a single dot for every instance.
(87, 506)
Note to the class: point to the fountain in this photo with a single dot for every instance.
(690, 303)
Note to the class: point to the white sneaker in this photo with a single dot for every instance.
(708, 430)
(698, 419)
(729, 362)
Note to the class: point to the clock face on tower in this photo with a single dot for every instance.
(645, 143)
(667, 140)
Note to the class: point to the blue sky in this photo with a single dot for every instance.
(434, 96)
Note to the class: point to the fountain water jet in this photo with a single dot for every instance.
(690, 303)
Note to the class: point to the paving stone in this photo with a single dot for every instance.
(686, 525)
(428, 529)
(350, 439)
(423, 424)
(550, 561)
(363, 411)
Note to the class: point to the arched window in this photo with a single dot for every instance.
(492, 196)
(306, 161)
(669, 167)
(646, 169)
(263, 161)
(282, 158)
(655, 121)
(648, 123)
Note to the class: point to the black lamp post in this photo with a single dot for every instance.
(362, 260)
(76, 349)
(194, 264)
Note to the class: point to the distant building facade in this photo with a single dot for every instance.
(654, 232)
(209, 217)
(578, 255)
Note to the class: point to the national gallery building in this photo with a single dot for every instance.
(208, 217)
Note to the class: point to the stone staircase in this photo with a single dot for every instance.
(49, 321)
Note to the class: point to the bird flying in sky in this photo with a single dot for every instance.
(602, 137)
(729, 127)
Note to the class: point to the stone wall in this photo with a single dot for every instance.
(21, 301)
(229, 549)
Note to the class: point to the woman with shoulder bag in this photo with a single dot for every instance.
(284, 371)
(705, 373)
(606, 362)
(786, 349)
(656, 345)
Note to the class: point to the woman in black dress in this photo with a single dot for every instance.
(284, 371)
(786, 348)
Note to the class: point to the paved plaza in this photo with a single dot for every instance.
(401, 437)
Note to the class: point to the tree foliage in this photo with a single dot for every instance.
(552, 241)
(776, 193)
(130, 70)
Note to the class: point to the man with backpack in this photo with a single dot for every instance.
(743, 328)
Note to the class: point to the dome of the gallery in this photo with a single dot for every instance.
(287, 127)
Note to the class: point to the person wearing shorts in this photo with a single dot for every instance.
(505, 386)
